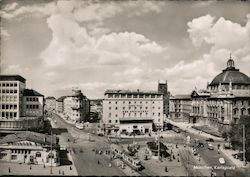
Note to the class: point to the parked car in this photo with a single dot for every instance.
(200, 144)
(210, 146)
(227, 146)
(210, 140)
(238, 156)
(222, 160)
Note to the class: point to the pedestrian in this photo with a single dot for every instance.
(166, 169)
(110, 165)
(30, 167)
(9, 170)
(62, 172)
(225, 175)
(98, 162)
(59, 172)
(70, 167)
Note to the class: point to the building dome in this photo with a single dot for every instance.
(230, 74)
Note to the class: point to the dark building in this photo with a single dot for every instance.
(163, 88)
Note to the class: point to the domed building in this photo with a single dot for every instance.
(226, 99)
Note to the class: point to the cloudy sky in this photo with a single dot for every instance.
(99, 45)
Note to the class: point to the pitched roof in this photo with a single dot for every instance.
(50, 97)
(61, 98)
(31, 92)
(29, 136)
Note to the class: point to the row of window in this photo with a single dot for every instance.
(129, 102)
(134, 96)
(20, 151)
(116, 108)
(31, 99)
(116, 121)
(9, 115)
(135, 114)
(8, 91)
(8, 98)
(29, 106)
(8, 84)
(8, 106)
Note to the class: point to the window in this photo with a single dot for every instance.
(109, 121)
(146, 107)
(15, 84)
(153, 113)
(116, 121)
(152, 96)
(38, 154)
(116, 108)
(159, 114)
(13, 157)
(129, 102)
(116, 102)
(116, 115)
(109, 114)
(109, 102)
(109, 108)
(2, 155)
(27, 106)
(123, 108)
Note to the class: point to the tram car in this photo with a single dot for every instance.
(121, 153)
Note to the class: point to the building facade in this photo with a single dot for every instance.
(50, 104)
(31, 148)
(180, 107)
(126, 111)
(59, 104)
(76, 107)
(163, 88)
(226, 99)
(18, 110)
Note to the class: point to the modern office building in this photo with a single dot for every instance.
(180, 107)
(20, 108)
(30, 148)
(126, 111)
(76, 107)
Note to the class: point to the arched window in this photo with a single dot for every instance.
(51, 155)
(38, 154)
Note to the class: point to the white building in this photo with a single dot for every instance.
(126, 111)
(30, 147)
(76, 107)
(20, 108)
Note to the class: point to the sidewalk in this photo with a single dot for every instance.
(63, 142)
(237, 162)
(187, 127)
(24, 169)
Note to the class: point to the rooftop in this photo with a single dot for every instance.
(31, 92)
(61, 98)
(12, 78)
(50, 98)
(29, 136)
(131, 92)
(181, 97)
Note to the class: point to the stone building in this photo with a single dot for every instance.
(59, 104)
(31, 148)
(126, 111)
(76, 107)
(180, 107)
(163, 88)
(50, 104)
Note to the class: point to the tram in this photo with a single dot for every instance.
(121, 153)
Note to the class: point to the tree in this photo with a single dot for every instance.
(236, 133)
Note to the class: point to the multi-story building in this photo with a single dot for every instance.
(59, 104)
(20, 108)
(76, 107)
(226, 99)
(163, 88)
(50, 104)
(30, 148)
(126, 111)
(180, 107)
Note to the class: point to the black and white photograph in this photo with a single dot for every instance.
(125, 88)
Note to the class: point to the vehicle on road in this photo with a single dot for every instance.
(222, 160)
(238, 156)
(210, 146)
(119, 152)
(79, 125)
(210, 140)
(227, 146)
(195, 152)
(176, 129)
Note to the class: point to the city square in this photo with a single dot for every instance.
(125, 88)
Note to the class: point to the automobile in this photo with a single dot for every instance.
(195, 152)
(210, 146)
(210, 140)
(238, 156)
(200, 144)
(222, 160)
(227, 146)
